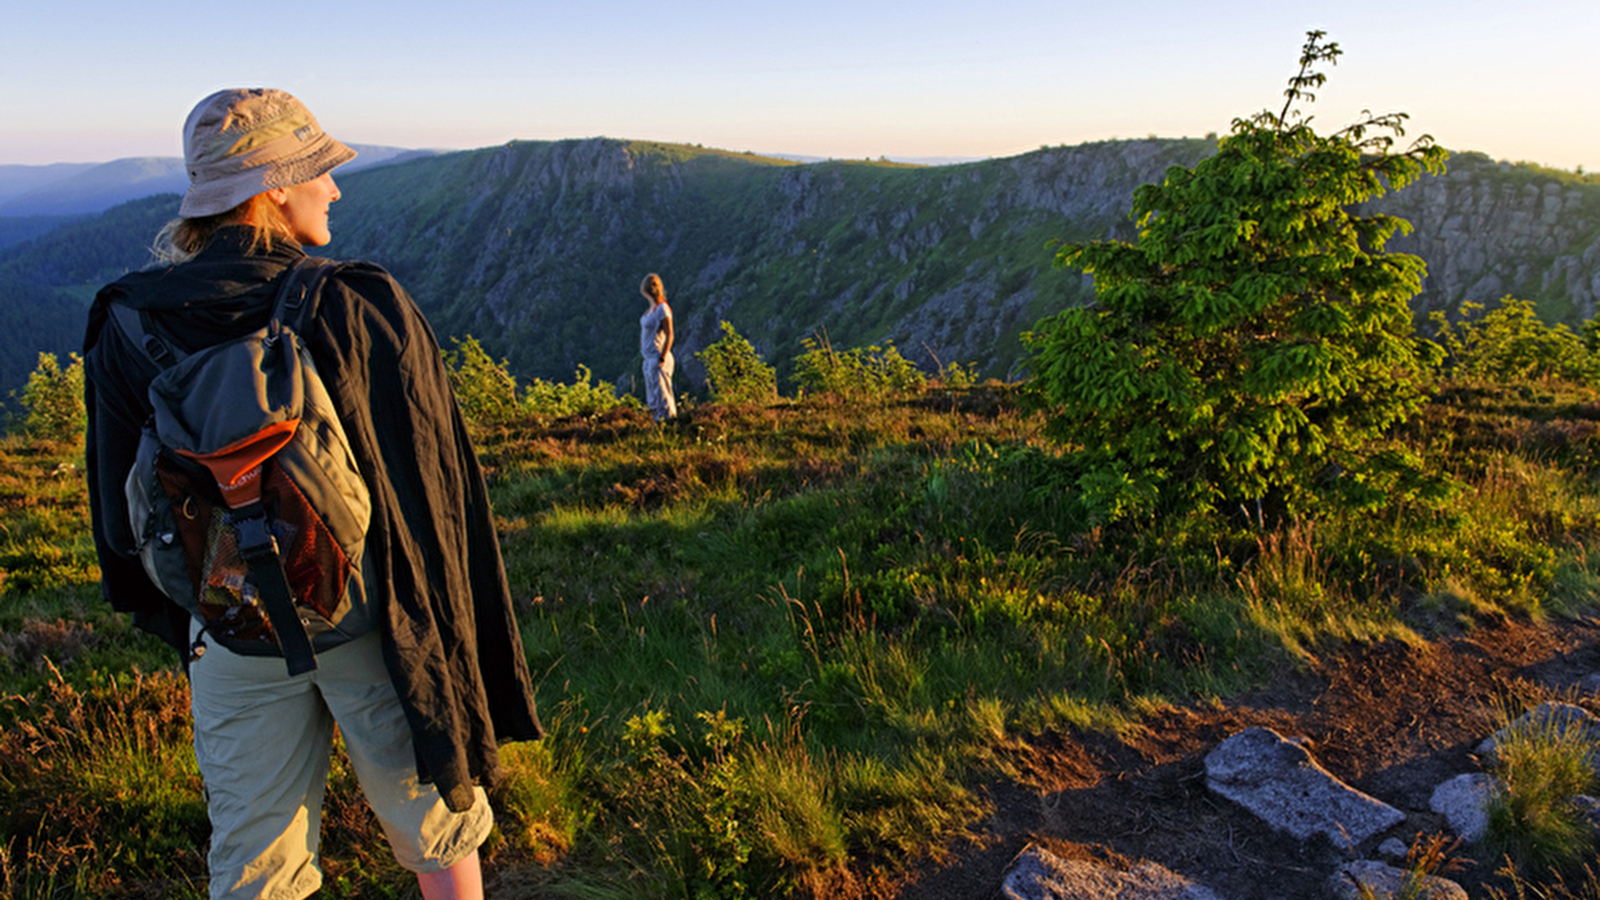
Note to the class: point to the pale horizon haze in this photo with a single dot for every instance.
(98, 81)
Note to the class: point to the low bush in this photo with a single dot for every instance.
(1509, 343)
(735, 372)
(52, 400)
(862, 373)
(488, 393)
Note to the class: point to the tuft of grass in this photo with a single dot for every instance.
(1542, 761)
(1582, 885)
(1428, 857)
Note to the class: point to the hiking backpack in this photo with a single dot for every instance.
(246, 503)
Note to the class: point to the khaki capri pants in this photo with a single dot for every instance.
(264, 742)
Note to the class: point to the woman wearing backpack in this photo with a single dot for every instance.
(423, 673)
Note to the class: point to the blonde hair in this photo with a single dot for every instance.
(652, 287)
(180, 240)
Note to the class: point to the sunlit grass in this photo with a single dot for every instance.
(1543, 760)
(775, 646)
(101, 786)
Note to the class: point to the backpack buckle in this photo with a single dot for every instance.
(256, 541)
(157, 350)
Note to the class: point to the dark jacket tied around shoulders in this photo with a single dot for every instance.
(432, 557)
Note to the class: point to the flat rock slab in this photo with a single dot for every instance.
(1283, 785)
(1387, 881)
(1038, 874)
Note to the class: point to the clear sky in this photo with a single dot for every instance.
(95, 80)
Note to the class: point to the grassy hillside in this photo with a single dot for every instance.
(777, 646)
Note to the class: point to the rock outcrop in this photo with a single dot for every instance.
(1279, 781)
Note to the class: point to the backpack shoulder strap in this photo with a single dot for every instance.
(301, 291)
(141, 330)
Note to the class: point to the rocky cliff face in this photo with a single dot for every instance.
(1490, 229)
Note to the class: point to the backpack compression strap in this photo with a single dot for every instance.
(301, 291)
(260, 551)
(295, 304)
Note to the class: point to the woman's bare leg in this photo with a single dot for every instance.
(462, 881)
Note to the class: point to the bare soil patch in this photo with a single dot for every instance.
(1390, 718)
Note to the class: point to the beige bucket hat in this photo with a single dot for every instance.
(240, 142)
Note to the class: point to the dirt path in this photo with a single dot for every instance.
(1391, 719)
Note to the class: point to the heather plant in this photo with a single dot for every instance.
(1252, 346)
(736, 372)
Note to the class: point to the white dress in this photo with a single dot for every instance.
(657, 365)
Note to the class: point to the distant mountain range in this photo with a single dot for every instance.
(537, 248)
(85, 189)
(63, 190)
(77, 189)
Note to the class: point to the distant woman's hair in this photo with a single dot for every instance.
(651, 287)
(180, 239)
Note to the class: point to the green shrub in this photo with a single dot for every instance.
(737, 373)
(1254, 342)
(584, 396)
(876, 372)
(487, 392)
(484, 389)
(1510, 343)
(956, 375)
(53, 399)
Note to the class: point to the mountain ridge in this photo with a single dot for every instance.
(537, 247)
(77, 189)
